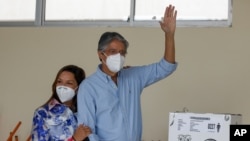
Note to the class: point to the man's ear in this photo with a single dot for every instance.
(100, 55)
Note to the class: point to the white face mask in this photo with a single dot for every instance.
(65, 93)
(115, 62)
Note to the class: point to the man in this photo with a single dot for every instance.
(109, 99)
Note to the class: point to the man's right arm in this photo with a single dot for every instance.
(86, 111)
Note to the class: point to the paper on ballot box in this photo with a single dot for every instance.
(201, 126)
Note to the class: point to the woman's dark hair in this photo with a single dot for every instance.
(79, 75)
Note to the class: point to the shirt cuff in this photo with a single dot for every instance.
(71, 139)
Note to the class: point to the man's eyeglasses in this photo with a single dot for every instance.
(114, 51)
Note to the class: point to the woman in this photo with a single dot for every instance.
(56, 119)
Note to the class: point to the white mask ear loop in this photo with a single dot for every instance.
(76, 89)
(105, 56)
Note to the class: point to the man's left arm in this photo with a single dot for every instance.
(168, 25)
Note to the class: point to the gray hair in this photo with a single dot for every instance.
(108, 37)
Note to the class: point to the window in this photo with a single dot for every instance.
(87, 10)
(17, 12)
(113, 12)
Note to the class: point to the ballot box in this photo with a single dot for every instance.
(185, 126)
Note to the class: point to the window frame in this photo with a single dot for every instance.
(40, 20)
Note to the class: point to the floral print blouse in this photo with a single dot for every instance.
(53, 122)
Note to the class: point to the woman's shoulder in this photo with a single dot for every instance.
(42, 110)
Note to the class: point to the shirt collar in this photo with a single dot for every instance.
(106, 78)
(53, 103)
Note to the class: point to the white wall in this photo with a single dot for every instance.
(212, 76)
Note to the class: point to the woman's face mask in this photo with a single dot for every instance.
(115, 62)
(65, 93)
